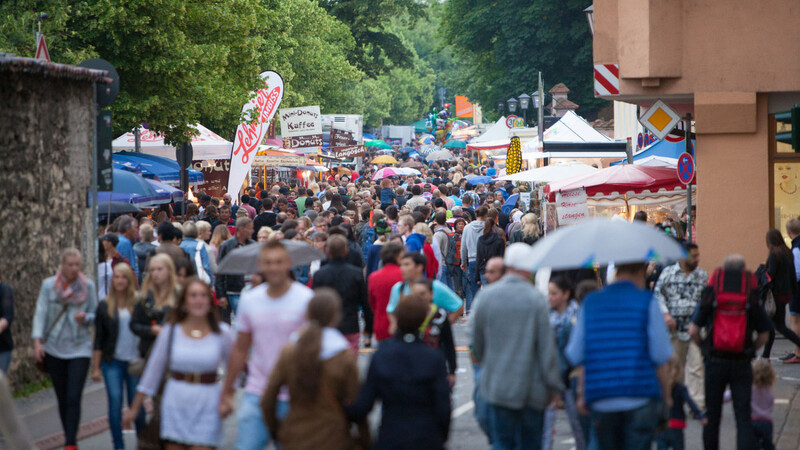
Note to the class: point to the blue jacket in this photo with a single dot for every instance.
(617, 356)
(189, 245)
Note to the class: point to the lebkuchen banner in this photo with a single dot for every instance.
(463, 107)
(250, 134)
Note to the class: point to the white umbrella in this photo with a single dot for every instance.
(601, 241)
(439, 155)
(408, 171)
(548, 174)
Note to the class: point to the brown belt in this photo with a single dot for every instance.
(196, 378)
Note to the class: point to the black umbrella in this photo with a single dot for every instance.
(111, 208)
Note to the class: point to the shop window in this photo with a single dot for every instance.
(786, 192)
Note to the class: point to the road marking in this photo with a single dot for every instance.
(781, 401)
(462, 409)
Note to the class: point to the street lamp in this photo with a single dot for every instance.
(512, 105)
(500, 105)
(524, 103)
(590, 17)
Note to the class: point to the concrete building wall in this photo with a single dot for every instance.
(45, 168)
(728, 63)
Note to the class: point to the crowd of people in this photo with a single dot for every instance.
(406, 259)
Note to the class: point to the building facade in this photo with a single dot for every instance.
(731, 64)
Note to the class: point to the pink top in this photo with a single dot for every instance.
(761, 402)
(270, 321)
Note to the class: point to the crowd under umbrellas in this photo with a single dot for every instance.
(285, 288)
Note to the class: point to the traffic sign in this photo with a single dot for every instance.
(686, 168)
(41, 48)
(660, 119)
(510, 121)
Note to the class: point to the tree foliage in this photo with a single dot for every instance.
(506, 45)
(378, 48)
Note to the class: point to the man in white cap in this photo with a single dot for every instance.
(513, 343)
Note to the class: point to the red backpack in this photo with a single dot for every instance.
(729, 332)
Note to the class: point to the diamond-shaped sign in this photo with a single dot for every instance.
(660, 119)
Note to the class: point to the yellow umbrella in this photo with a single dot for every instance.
(384, 159)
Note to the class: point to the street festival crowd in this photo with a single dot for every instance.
(624, 351)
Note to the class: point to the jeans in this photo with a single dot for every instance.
(115, 374)
(671, 438)
(763, 433)
(472, 289)
(68, 377)
(252, 431)
(629, 430)
(516, 428)
(5, 361)
(233, 305)
(481, 407)
(457, 280)
(779, 321)
(739, 375)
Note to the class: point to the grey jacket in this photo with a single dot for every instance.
(469, 241)
(48, 307)
(513, 342)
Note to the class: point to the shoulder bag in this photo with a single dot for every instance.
(40, 364)
(150, 438)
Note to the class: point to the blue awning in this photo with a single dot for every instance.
(154, 167)
(666, 148)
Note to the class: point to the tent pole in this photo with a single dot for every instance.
(627, 208)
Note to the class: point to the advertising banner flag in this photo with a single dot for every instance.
(250, 134)
(463, 107)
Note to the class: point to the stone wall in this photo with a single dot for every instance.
(46, 128)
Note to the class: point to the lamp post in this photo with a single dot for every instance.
(524, 103)
(500, 105)
(512, 105)
(590, 17)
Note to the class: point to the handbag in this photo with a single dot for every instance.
(769, 303)
(40, 364)
(150, 437)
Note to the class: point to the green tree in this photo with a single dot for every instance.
(179, 61)
(378, 47)
(506, 44)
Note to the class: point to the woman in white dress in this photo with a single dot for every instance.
(190, 349)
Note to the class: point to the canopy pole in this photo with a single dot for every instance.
(627, 207)
(687, 125)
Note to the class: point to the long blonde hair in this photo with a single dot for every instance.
(130, 293)
(530, 225)
(424, 230)
(147, 284)
(220, 235)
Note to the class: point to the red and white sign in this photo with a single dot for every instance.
(250, 135)
(510, 121)
(41, 48)
(572, 206)
(606, 79)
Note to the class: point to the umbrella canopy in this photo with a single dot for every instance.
(142, 192)
(439, 155)
(601, 241)
(510, 204)
(455, 144)
(413, 163)
(407, 150)
(384, 159)
(420, 126)
(175, 194)
(548, 174)
(116, 207)
(408, 171)
(151, 166)
(341, 170)
(426, 139)
(244, 260)
(387, 172)
(475, 179)
(377, 143)
(619, 180)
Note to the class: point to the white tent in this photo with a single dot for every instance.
(551, 173)
(657, 161)
(496, 137)
(206, 145)
(570, 128)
